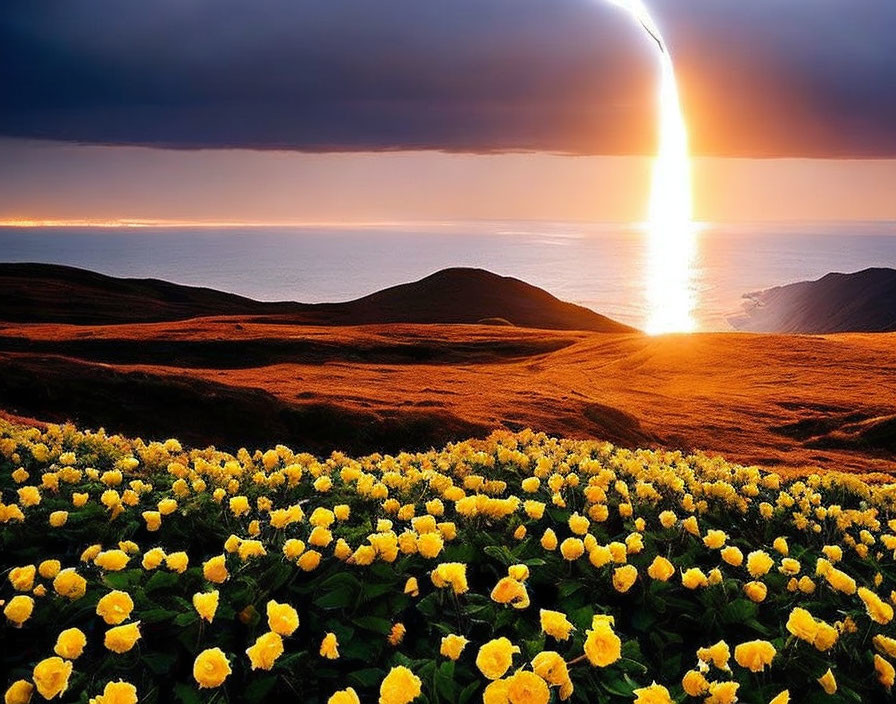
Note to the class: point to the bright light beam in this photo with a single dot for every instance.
(671, 241)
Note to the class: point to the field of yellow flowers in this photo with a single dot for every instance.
(521, 568)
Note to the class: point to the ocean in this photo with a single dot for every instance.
(601, 266)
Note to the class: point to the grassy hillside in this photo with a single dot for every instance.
(521, 568)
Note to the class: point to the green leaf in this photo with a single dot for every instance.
(157, 615)
(368, 678)
(160, 580)
(467, 693)
(258, 689)
(186, 694)
(500, 553)
(159, 663)
(374, 623)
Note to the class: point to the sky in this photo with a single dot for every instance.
(322, 110)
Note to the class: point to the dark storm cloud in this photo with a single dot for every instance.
(765, 77)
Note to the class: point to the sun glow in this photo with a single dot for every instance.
(671, 234)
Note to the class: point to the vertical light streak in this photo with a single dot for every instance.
(671, 235)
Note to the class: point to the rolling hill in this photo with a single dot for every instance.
(864, 301)
(49, 293)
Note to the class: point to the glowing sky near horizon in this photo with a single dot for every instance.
(60, 181)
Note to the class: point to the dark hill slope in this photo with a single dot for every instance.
(49, 293)
(864, 301)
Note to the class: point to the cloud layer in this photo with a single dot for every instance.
(760, 78)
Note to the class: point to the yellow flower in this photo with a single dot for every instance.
(825, 637)
(70, 644)
(802, 624)
(549, 540)
(602, 646)
(268, 647)
(51, 676)
(572, 548)
(693, 578)
(722, 692)
(430, 544)
(282, 618)
(527, 688)
(878, 610)
(555, 624)
(115, 607)
(177, 562)
(717, 654)
(48, 569)
(885, 645)
(519, 572)
(495, 657)
(153, 520)
(364, 555)
(759, 563)
(452, 646)
(29, 496)
(70, 584)
(833, 552)
(153, 558)
(411, 587)
(344, 696)
(530, 484)
(117, 693)
(828, 682)
(715, 539)
(624, 577)
(239, 505)
(578, 524)
(754, 655)
(122, 638)
(781, 546)
(618, 551)
(732, 555)
(668, 519)
(19, 692)
(22, 578)
(309, 561)
(112, 560)
(756, 591)
(215, 569)
(211, 668)
(510, 591)
(885, 672)
(694, 683)
(789, 566)
(396, 635)
(400, 686)
(840, 581)
(781, 698)
(599, 555)
(19, 609)
(329, 647)
(654, 694)
(206, 604)
(660, 569)
(551, 667)
(452, 574)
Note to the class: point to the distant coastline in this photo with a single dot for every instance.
(599, 266)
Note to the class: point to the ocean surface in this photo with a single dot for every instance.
(601, 266)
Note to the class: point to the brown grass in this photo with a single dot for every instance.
(794, 401)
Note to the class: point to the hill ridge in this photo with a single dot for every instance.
(51, 293)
